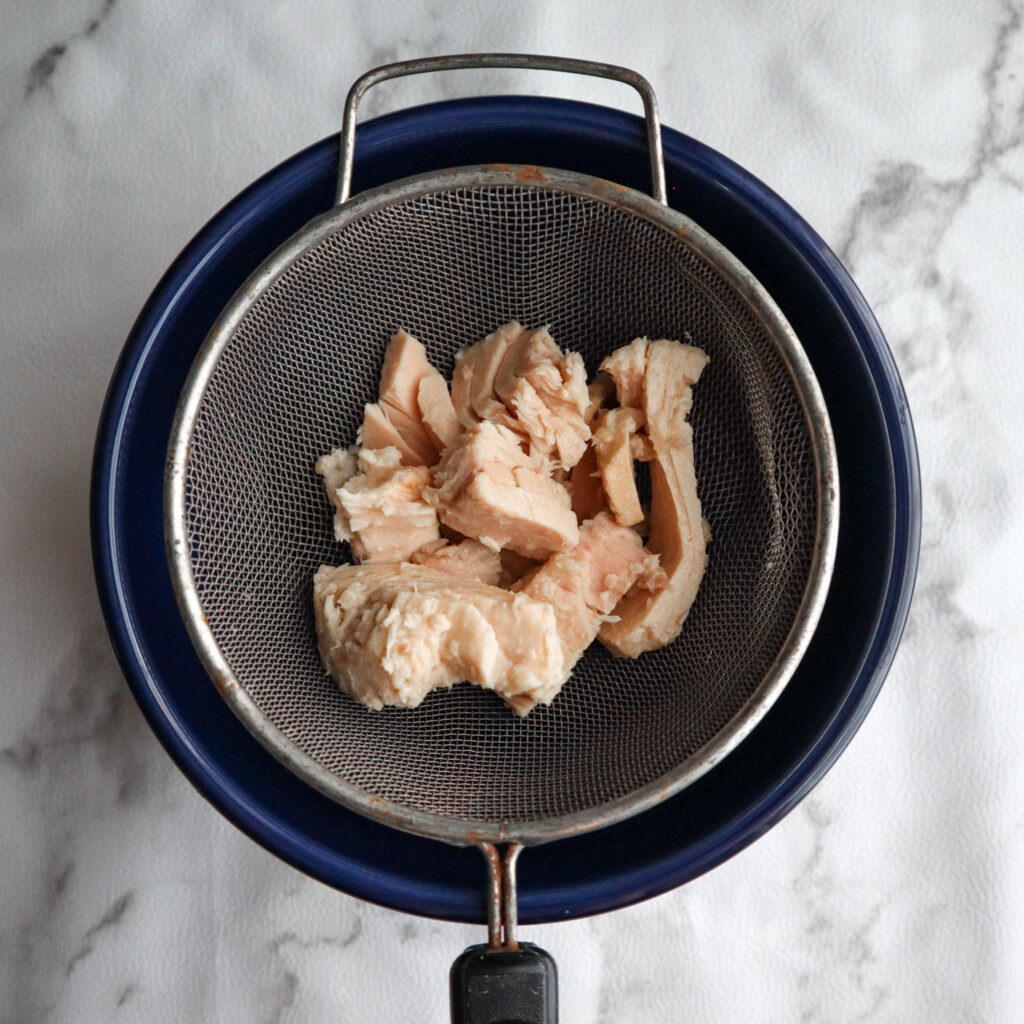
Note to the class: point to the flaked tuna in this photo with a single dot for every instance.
(614, 432)
(520, 379)
(382, 510)
(395, 419)
(468, 559)
(476, 367)
(487, 488)
(627, 367)
(337, 468)
(678, 533)
(546, 391)
(379, 431)
(437, 411)
(499, 525)
(389, 634)
(584, 584)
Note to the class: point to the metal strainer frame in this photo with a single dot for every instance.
(348, 211)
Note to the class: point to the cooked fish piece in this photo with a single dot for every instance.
(678, 534)
(501, 481)
(397, 410)
(557, 376)
(627, 366)
(486, 487)
(612, 442)
(520, 379)
(468, 559)
(475, 369)
(437, 411)
(545, 390)
(405, 365)
(405, 368)
(389, 634)
(384, 508)
(584, 584)
(640, 448)
(378, 431)
(337, 467)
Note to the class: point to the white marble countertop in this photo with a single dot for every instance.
(895, 892)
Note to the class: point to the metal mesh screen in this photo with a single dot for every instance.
(450, 267)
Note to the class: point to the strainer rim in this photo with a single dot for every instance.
(431, 825)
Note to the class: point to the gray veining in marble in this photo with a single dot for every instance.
(45, 65)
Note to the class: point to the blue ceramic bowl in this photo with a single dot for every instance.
(751, 789)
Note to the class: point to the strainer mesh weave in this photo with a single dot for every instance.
(450, 267)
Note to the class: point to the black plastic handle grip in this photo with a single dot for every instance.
(504, 987)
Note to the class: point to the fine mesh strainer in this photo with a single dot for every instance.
(283, 378)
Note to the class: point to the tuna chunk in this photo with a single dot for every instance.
(468, 559)
(337, 467)
(486, 487)
(584, 584)
(678, 535)
(437, 411)
(475, 369)
(612, 446)
(383, 508)
(495, 522)
(520, 379)
(640, 448)
(389, 634)
(397, 411)
(627, 367)
(546, 391)
(378, 431)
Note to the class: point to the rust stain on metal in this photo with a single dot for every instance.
(225, 686)
(529, 172)
(603, 184)
(379, 804)
(383, 811)
(498, 167)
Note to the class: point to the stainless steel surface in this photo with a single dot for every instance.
(531, 62)
(510, 897)
(283, 378)
(495, 908)
(502, 896)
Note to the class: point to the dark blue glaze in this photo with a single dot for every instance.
(756, 785)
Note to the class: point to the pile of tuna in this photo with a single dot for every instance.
(497, 526)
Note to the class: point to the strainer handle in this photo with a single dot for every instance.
(506, 981)
(462, 61)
